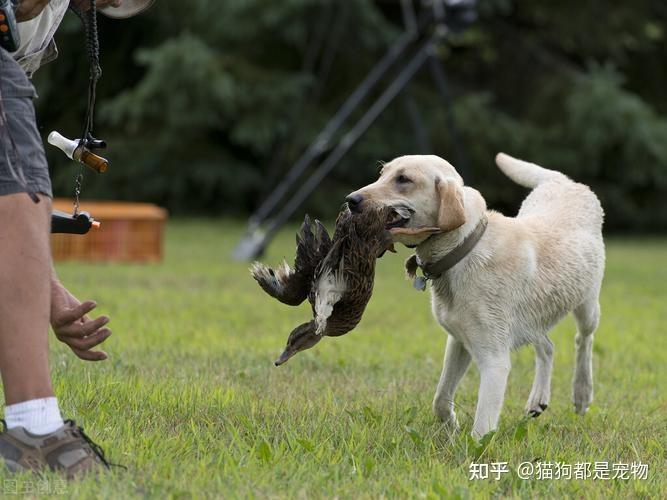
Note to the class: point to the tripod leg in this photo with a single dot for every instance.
(421, 134)
(322, 141)
(351, 137)
(253, 243)
(319, 48)
(440, 81)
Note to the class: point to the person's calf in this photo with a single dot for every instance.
(25, 270)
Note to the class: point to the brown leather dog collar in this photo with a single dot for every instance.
(433, 270)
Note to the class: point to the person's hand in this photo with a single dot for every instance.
(29, 9)
(73, 326)
(85, 4)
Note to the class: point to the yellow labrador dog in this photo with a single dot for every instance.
(498, 282)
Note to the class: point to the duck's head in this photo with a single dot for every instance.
(302, 337)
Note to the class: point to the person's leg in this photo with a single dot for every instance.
(25, 294)
(34, 437)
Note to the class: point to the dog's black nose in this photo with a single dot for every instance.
(354, 202)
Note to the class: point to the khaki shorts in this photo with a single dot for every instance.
(17, 95)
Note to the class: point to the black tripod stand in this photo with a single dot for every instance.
(417, 45)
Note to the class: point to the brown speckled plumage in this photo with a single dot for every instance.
(323, 268)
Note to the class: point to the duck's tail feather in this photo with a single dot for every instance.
(282, 283)
(290, 285)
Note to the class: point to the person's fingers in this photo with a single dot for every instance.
(91, 355)
(74, 314)
(29, 9)
(23, 16)
(87, 343)
(82, 329)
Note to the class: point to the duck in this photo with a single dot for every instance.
(336, 275)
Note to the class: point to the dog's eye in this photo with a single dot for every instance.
(402, 179)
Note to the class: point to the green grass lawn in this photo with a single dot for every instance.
(191, 403)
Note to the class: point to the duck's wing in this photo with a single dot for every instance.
(343, 224)
(323, 240)
(329, 285)
(291, 285)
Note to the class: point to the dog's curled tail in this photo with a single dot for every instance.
(524, 173)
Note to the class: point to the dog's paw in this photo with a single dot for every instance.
(451, 426)
(448, 419)
(536, 411)
(538, 401)
(582, 403)
(582, 397)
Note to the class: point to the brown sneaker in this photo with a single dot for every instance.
(67, 450)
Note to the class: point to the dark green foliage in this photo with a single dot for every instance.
(196, 107)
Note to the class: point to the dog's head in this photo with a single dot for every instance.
(425, 194)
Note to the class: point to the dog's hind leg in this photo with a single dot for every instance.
(541, 391)
(587, 317)
(457, 360)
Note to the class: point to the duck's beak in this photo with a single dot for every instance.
(284, 357)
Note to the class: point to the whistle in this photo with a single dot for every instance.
(78, 152)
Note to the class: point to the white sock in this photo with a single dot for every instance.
(37, 416)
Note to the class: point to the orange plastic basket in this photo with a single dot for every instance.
(130, 232)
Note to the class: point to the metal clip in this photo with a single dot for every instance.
(419, 283)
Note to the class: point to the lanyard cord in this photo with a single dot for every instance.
(89, 21)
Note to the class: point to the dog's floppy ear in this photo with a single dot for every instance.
(451, 214)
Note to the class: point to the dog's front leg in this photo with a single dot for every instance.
(457, 360)
(493, 370)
